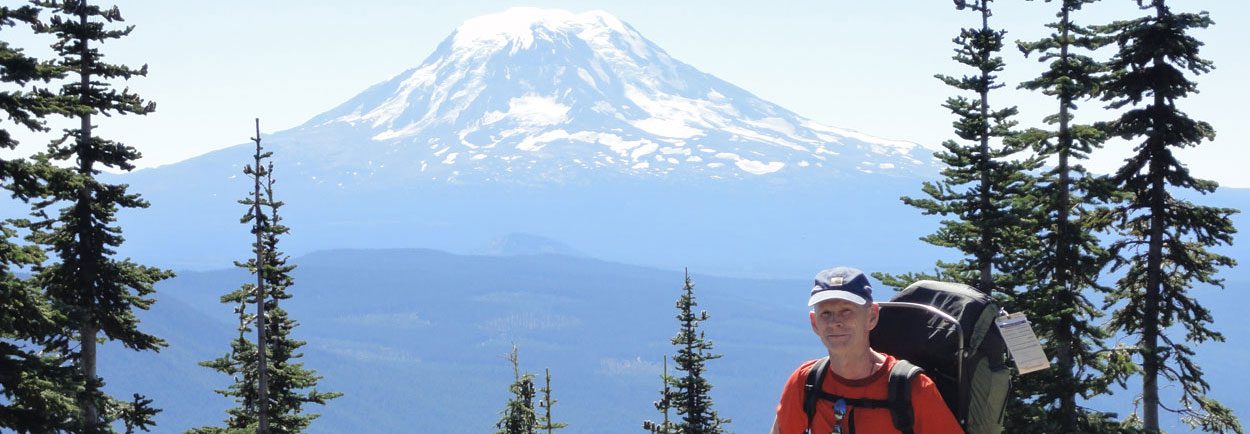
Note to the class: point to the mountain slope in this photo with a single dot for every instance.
(534, 96)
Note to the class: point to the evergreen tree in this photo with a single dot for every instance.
(289, 384)
(96, 294)
(981, 184)
(546, 422)
(1165, 241)
(664, 404)
(36, 388)
(518, 416)
(691, 392)
(1065, 264)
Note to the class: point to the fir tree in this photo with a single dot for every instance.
(518, 416)
(981, 182)
(690, 392)
(1165, 241)
(1065, 264)
(96, 294)
(36, 388)
(546, 422)
(664, 404)
(289, 385)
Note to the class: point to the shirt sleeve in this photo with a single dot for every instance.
(932, 415)
(790, 416)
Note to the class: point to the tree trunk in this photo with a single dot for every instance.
(985, 250)
(1154, 261)
(261, 343)
(87, 252)
(1066, 245)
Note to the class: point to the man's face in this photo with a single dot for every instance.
(843, 326)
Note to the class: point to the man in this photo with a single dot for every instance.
(842, 315)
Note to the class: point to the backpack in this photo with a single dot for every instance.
(947, 331)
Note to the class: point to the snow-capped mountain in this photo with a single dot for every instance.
(534, 95)
(569, 127)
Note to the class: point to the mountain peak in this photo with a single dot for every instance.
(546, 95)
(519, 26)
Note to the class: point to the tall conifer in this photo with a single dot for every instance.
(96, 293)
(1165, 240)
(1066, 263)
(36, 388)
(690, 392)
(982, 183)
(289, 385)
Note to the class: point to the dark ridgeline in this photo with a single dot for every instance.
(271, 390)
(1063, 267)
(689, 393)
(92, 293)
(1164, 241)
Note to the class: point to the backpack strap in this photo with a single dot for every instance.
(812, 394)
(811, 388)
(900, 395)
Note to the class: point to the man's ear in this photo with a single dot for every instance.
(874, 313)
(811, 316)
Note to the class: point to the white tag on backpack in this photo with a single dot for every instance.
(1022, 343)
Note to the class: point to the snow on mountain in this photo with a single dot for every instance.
(537, 95)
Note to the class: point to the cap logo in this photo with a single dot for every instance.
(836, 280)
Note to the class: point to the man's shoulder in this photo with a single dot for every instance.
(919, 382)
(804, 368)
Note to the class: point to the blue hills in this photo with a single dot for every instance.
(416, 338)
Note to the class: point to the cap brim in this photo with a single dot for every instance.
(832, 294)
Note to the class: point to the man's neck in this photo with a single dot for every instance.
(857, 365)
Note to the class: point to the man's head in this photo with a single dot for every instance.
(842, 310)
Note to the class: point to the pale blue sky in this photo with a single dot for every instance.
(863, 65)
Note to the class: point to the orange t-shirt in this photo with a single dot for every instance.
(931, 414)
